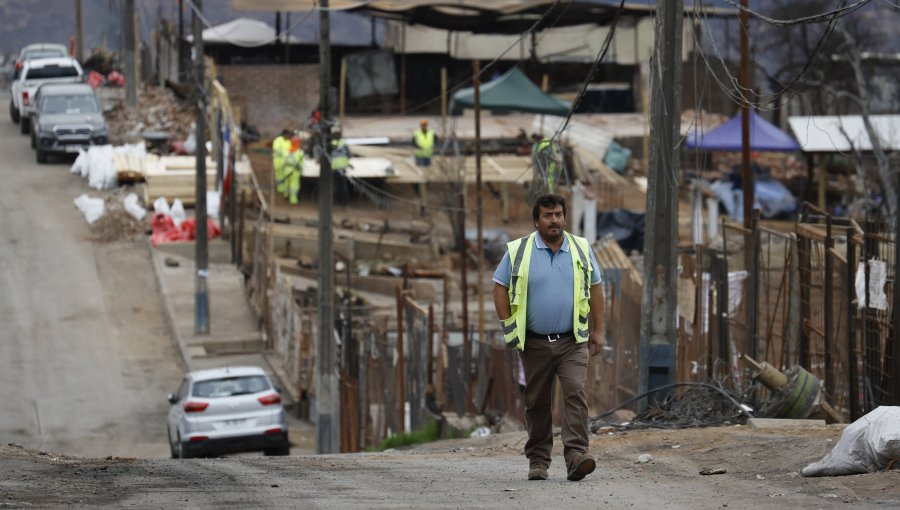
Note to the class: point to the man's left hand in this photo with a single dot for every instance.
(595, 343)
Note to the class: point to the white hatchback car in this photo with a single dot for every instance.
(227, 410)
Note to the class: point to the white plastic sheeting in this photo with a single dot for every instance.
(868, 444)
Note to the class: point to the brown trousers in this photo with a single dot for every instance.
(543, 362)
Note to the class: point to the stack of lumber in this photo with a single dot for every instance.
(130, 166)
(175, 177)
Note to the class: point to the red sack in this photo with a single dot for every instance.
(95, 79)
(116, 78)
(189, 229)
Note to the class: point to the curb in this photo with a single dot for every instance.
(168, 311)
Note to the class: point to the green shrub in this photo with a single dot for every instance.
(427, 434)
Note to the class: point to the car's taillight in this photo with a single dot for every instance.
(25, 98)
(270, 399)
(195, 407)
(276, 430)
(198, 438)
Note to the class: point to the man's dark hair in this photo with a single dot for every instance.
(286, 133)
(547, 201)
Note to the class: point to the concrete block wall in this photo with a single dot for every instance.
(272, 97)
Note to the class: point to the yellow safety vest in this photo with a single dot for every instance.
(340, 156)
(424, 143)
(293, 162)
(519, 250)
(280, 147)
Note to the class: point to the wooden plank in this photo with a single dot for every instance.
(779, 423)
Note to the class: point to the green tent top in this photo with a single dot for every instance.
(512, 92)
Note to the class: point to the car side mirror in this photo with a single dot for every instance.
(173, 398)
(279, 389)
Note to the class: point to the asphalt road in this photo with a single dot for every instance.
(85, 357)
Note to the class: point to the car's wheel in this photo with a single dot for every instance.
(13, 112)
(280, 451)
(182, 451)
(172, 450)
(40, 156)
(24, 125)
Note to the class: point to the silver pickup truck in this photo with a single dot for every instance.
(67, 119)
(34, 74)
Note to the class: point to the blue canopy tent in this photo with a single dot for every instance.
(764, 137)
(770, 196)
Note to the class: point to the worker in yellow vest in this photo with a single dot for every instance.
(280, 148)
(423, 140)
(549, 300)
(293, 170)
(544, 157)
(340, 164)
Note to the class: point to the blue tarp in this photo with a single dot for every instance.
(764, 136)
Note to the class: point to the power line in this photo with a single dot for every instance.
(815, 18)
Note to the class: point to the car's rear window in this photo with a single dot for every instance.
(74, 103)
(40, 73)
(230, 386)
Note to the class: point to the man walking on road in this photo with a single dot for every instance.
(545, 288)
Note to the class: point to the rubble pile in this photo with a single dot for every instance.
(116, 225)
(158, 110)
(784, 167)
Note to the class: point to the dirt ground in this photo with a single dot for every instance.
(761, 471)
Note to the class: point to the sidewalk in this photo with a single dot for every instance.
(234, 337)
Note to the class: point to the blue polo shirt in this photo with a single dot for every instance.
(550, 277)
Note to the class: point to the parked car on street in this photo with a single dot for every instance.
(67, 118)
(227, 410)
(34, 74)
(39, 50)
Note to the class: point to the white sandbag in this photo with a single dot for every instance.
(868, 444)
(161, 206)
(91, 208)
(177, 212)
(212, 204)
(133, 208)
(102, 170)
(80, 166)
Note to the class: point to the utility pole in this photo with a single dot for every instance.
(328, 424)
(744, 78)
(79, 32)
(130, 67)
(476, 72)
(201, 286)
(657, 341)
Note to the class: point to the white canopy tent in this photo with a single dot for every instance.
(243, 32)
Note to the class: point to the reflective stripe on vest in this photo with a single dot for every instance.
(424, 143)
(514, 327)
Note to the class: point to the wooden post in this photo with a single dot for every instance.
(343, 88)
(400, 371)
(443, 101)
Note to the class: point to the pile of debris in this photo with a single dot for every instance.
(158, 109)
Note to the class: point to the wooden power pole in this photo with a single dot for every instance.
(79, 32)
(130, 61)
(747, 176)
(657, 340)
(201, 284)
(328, 424)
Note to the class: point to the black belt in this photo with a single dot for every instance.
(550, 337)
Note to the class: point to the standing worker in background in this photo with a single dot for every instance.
(293, 170)
(545, 288)
(280, 148)
(544, 156)
(423, 140)
(340, 164)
